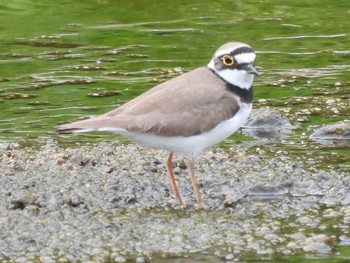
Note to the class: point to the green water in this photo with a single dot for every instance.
(55, 57)
(60, 62)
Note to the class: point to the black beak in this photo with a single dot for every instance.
(251, 70)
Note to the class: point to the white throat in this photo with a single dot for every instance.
(239, 78)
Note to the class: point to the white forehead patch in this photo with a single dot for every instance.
(245, 58)
(220, 53)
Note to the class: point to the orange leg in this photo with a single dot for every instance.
(170, 169)
(190, 167)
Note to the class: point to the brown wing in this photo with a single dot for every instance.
(186, 105)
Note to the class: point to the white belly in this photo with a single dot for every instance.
(193, 145)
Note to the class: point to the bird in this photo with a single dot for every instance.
(186, 114)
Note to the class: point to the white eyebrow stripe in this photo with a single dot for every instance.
(222, 52)
(245, 58)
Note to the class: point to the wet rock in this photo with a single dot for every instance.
(344, 240)
(101, 92)
(24, 201)
(72, 201)
(346, 199)
(267, 123)
(320, 244)
(16, 95)
(337, 131)
(119, 259)
(269, 191)
(265, 118)
(306, 220)
(229, 257)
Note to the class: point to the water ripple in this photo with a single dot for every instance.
(137, 24)
(297, 37)
(289, 53)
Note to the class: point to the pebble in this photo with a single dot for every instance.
(305, 220)
(119, 259)
(229, 257)
(317, 243)
(344, 240)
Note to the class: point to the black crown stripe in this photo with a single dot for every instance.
(241, 50)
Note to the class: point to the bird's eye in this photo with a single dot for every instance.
(228, 60)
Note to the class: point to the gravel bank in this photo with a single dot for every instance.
(111, 202)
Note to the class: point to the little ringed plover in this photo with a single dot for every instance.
(186, 114)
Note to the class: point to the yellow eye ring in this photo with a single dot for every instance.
(228, 60)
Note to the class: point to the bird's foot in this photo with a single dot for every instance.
(201, 205)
